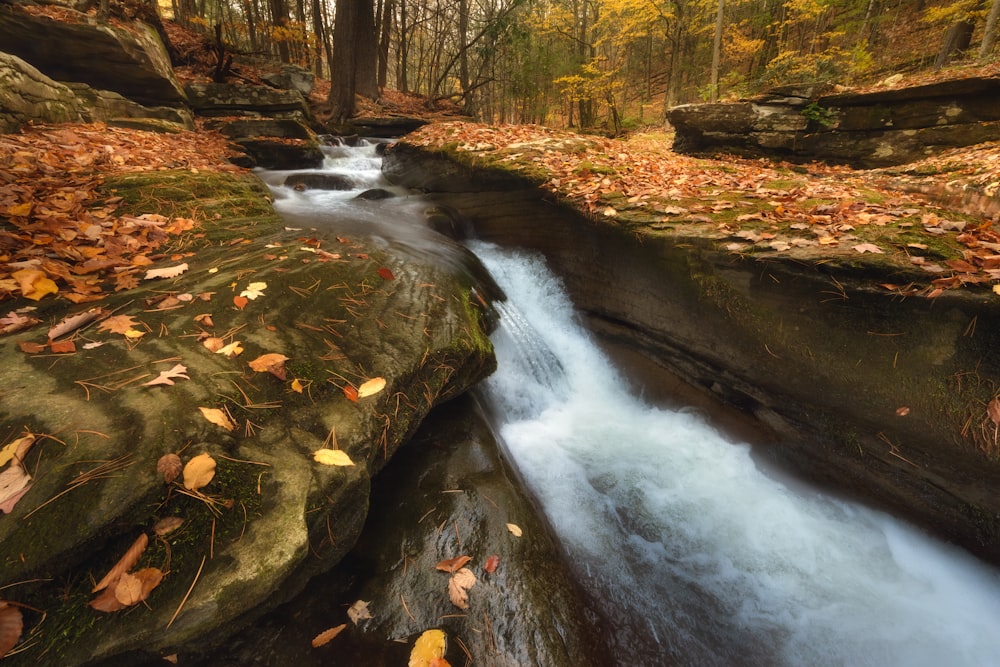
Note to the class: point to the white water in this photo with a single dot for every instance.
(700, 558)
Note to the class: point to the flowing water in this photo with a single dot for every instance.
(696, 556)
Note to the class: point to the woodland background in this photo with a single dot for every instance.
(614, 64)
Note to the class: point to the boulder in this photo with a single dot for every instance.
(28, 95)
(133, 62)
(234, 99)
(359, 369)
(292, 77)
(875, 129)
(318, 181)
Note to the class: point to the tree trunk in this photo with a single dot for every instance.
(956, 40)
(366, 49)
(717, 52)
(343, 64)
(404, 53)
(279, 17)
(383, 43)
(990, 32)
(319, 34)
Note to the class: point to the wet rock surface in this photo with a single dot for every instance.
(272, 516)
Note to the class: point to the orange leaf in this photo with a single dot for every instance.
(124, 564)
(199, 471)
(351, 393)
(452, 564)
(386, 274)
(241, 302)
(63, 347)
(30, 348)
(327, 636)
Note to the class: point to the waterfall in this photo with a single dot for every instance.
(695, 555)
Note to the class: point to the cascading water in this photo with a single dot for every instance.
(695, 556)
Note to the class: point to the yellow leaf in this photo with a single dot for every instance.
(134, 334)
(371, 387)
(218, 417)
(332, 457)
(297, 386)
(327, 635)
(514, 529)
(429, 647)
(11, 450)
(199, 471)
(254, 290)
(19, 210)
(229, 351)
(34, 284)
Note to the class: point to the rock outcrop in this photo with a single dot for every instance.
(132, 63)
(234, 99)
(873, 129)
(859, 389)
(28, 95)
(338, 309)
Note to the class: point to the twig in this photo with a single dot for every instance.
(405, 608)
(188, 594)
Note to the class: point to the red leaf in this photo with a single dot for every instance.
(351, 393)
(492, 563)
(241, 302)
(386, 274)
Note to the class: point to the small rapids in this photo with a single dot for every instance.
(696, 556)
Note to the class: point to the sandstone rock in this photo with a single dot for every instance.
(133, 62)
(292, 77)
(271, 517)
(885, 127)
(232, 99)
(318, 181)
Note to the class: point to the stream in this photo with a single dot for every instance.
(694, 555)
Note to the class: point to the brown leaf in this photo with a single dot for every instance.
(218, 417)
(30, 348)
(358, 611)
(993, 410)
(13, 322)
(62, 347)
(134, 588)
(327, 636)
(199, 471)
(272, 363)
(118, 324)
(170, 467)
(74, 322)
(453, 564)
(124, 564)
(11, 627)
(458, 587)
(106, 601)
(167, 525)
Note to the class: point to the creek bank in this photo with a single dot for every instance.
(272, 517)
(864, 391)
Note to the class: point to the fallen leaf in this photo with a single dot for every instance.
(350, 392)
(29, 347)
(124, 564)
(451, 565)
(106, 602)
(993, 410)
(240, 302)
(74, 322)
(11, 627)
(332, 457)
(14, 483)
(430, 646)
(327, 636)
(205, 320)
(514, 529)
(254, 290)
(297, 386)
(167, 525)
(62, 347)
(178, 372)
(134, 588)
(170, 467)
(13, 322)
(385, 274)
(218, 417)
(34, 283)
(16, 449)
(358, 612)
(118, 324)
(166, 272)
(199, 471)
(213, 344)
(371, 387)
(902, 411)
(272, 363)
(233, 349)
(459, 585)
(868, 247)
(134, 334)
(492, 563)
